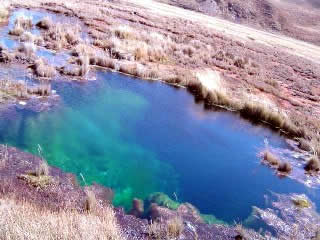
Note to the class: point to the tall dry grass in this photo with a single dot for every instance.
(22, 220)
(21, 24)
(12, 89)
(42, 69)
(4, 12)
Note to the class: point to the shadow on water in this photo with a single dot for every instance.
(140, 137)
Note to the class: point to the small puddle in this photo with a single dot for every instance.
(56, 59)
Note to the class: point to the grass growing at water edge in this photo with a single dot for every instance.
(28, 221)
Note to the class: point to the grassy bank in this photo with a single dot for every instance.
(22, 219)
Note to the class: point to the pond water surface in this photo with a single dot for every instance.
(140, 137)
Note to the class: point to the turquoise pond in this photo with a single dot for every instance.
(140, 137)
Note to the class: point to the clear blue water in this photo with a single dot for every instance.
(140, 137)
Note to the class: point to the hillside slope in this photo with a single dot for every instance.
(298, 18)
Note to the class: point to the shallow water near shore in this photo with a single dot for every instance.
(140, 137)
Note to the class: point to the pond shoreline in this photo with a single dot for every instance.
(61, 191)
(54, 188)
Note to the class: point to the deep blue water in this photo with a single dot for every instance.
(140, 137)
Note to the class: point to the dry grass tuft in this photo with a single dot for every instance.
(22, 220)
(261, 112)
(12, 89)
(4, 156)
(157, 231)
(43, 89)
(21, 24)
(84, 65)
(25, 22)
(270, 159)
(313, 165)
(29, 37)
(91, 201)
(284, 168)
(41, 181)
(42, 69)
(28, 49)
(61, 36)
(40, 178)
(240, 63)
(4, 12)
(304, 144)
(175, 227)
(43, 169)
(124, 32)
(45, 23)
(17, 30)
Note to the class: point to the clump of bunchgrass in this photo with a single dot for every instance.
(60, 36)
(28, 49)
(157, 230)
(42, 69)
(17, 30)
(124, 32)
(4, 12)
(13, 89)
(284, 168)
(4, 155)
(45, 23)
(42, 89)
(175, 227)
(23, 219)
(304, 144)
(84, 61)
(270, 159)
(91, 203)
(21, 24)
(313, 165)
(24, 21)
(29, 37)
(40, 177)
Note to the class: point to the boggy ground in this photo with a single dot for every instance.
(254, 75)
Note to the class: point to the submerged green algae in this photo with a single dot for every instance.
(93, 141)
